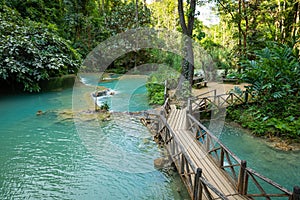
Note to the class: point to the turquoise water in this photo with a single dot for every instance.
(52, 157)
(280, 166)
(45, 157)
(132, 95)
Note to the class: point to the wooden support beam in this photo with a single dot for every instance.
(296, 193)
(222, 158)
(196, 185)
(241, 180)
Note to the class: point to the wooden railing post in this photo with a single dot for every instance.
(296, 193)
(207, 142)
(166, 91)
(182, 164)
(241, 179)
(222, 158)
(197, 189)
(189, 105)
(215, 96)
(231, 98)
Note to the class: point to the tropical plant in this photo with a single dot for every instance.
(31, 52)
(155, 93)
(275, 74)
(275, 78)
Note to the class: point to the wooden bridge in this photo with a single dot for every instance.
(207, 167)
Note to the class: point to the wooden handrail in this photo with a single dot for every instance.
(252, 173)
(215, 190)
(166, 91)
(193, 184)
(202, 94)
(213, 137)
(242, 181)
(218, 101)
(191, 175)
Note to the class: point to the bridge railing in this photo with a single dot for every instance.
(196, 184)
(200, 104)
(166, 108)
(247, 181)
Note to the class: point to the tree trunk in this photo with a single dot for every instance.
(137, 12)
(187, 29)
(295, 29)
(246, 30)
(240, 28)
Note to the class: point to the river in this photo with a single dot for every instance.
(45, 157)
(48, 157)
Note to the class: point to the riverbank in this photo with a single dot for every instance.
(279, 143)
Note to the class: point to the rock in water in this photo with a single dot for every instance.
(39, 112)
(162, 163)
(159, 163)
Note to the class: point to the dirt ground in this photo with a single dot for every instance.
(222, 88)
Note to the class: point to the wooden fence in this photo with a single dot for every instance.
(240, 175)
(191, 175)
(236, 169)
(200, 104)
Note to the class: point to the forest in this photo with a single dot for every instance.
(255, 41)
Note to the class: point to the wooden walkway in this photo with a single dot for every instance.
(207, 167)
(199, 157)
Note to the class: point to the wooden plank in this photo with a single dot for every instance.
(210, 170)
(180, 120)
(172, 116)
(202, 159)
(177, 121)
(173, 120)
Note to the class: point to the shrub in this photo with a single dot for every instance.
(31, 52)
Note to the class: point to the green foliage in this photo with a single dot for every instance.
(38, 10)
(275, 79)
(275, 74)
(170, 59)
(155, 93)
(234, 75)
(264, 121)
(85, 23)
(31, 52)
(220, 55)
(155, 85)
(104, 107)
(123, 17)
(165, 14)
